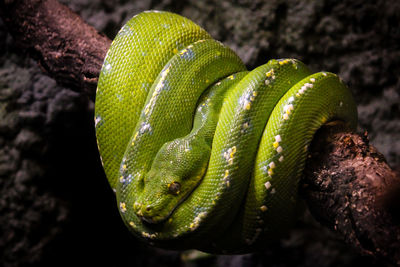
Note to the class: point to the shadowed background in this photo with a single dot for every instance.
(56, 207)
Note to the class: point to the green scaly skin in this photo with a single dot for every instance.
(201, 152)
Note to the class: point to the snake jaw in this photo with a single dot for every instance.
(144, 212)
(148, 214)
(148, 219)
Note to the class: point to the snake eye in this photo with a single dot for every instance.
(174, 188)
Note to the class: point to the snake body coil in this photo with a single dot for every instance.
(201, 152)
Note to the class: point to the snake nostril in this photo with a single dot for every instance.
(148, 208)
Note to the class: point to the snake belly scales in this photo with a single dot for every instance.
(201, 152)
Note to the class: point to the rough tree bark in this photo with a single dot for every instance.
(66, 47)
(347, 183)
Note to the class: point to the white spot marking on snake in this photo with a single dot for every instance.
(282, 62)
(267, 185)
(281, 159)
(227, 182)
(285, 116)
(291, 99)
(245, 126)
(288, 109)
(145, 127)
(144, 234)
(197, 220)
(279, 149)
(244, 101)
(270, 76)
(107, 67)
(312, 80)
(97, 120)
(265, 168)
(341, 103)
(272, 165)
(278, 138)
(229, 154)
(226, 174)
(324, 73)
(122, 207)
(304, 88)
(263, 208)
(273, 191)
(247, 99)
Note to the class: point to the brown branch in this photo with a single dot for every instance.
(66, 47)
(348, 185)
(350, 188)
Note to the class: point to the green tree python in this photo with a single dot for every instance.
(201, 152)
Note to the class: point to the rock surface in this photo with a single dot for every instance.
(55, 204)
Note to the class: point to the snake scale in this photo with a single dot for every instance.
(201, 152)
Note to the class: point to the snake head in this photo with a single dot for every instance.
(171, 179)
(162, 194)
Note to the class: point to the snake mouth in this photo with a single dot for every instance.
(155, 219)
(148, 219)
(147, 214)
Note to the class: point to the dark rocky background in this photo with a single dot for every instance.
(56, 207)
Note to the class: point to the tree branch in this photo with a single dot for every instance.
(70, 50)
(350, 188)
(348, 185)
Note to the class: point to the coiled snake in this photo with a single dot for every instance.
(201, 152)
